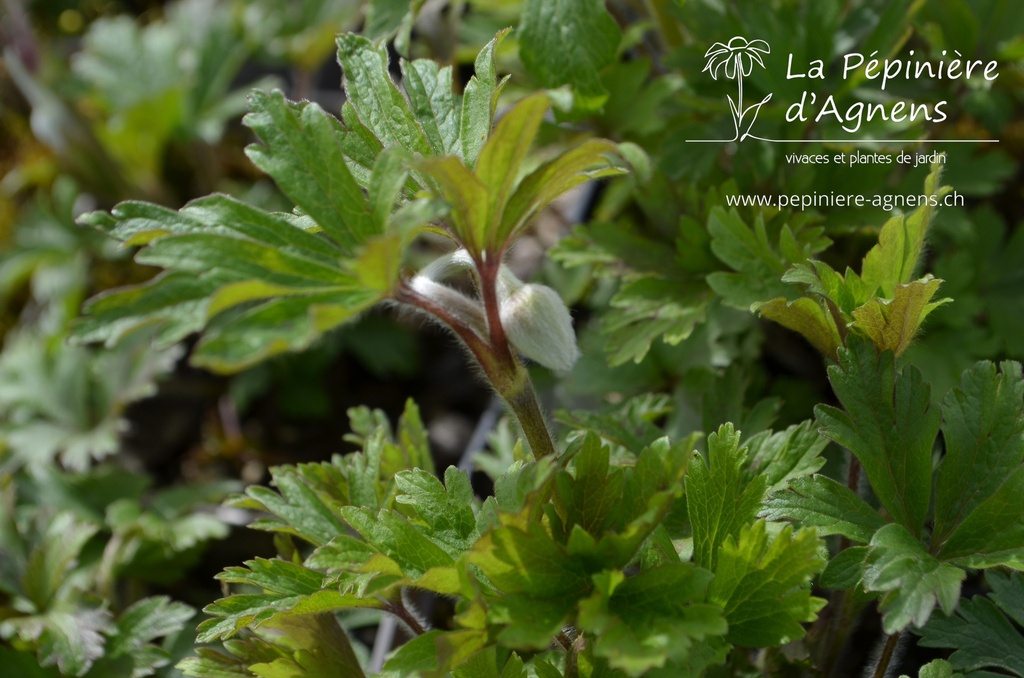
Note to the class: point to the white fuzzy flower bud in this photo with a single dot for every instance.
(536, 322)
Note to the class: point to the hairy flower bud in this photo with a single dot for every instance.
(537, 323)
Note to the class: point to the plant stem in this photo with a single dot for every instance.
(522, 400)
(507, 375)
(398, 608)
(887, 654)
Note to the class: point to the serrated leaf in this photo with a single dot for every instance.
(749, 252)
(250, 610)
(979, 518)
(822, 503)
(647, 309)
(892, 261)
(147, 620)
(433, 103)
(888, 423)
(718, 501)
(304, 154)
(807, 317)
(785, 456)
(73, 640)
(417, 556)
(982, 630)
(654, 617)
(893, 323)
(50, 562)
(539, 582)
(297, 507)
(446, 511)
(568, 42)
(381, 105)
(593, 491)
(277, 326)
(174, 303)
(436, 654)
(479, 102)
(764, 588)
(911, 579)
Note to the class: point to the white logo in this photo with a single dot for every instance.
(736, 59)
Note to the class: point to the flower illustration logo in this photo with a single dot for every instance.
(736, 59)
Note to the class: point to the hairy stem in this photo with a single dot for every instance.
(507, 375)
(398, 608)
(891, 643)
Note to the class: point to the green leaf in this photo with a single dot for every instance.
(142, 623)
(592, 493)
(585, 162)
(764, 588)
(412, 551)
(501, 157)
(911, 579)
(438, 654)
(72, 640)
(630, 425)
(446, 511)
(718, 500)
(303, 151)
(369, 87)
(845, 569)
(468, 198)
(52, 560)
(822, 503)
(568, 42)
(807, 317)
(979, 518)
(982, 631)
(538, 582)
(646, 620)
(752, 254)
(893, 260)
(650, 308)
(888, 423)
(937, 668)
(479, 102)
(174, 303)
(433, 104)
(892, 323)
(296, 507)
(251, 610)
(786, 456)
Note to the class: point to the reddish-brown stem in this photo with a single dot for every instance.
(508, 377)
(488, 267)
(473, 341)
(398, 609)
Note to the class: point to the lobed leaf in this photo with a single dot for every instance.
(569, 42)
(979, 489)
(818, 501)
(764, 588)
(911, 579)
(888, 423)
(718, 500)
(657, 616)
